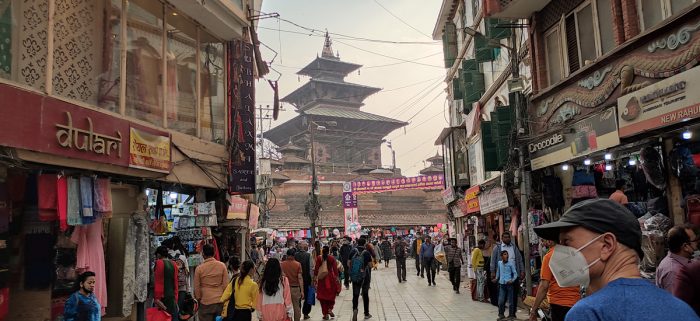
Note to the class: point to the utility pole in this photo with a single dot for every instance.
(519, 121)
(312, 206)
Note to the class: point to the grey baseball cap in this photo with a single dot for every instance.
(600, 216)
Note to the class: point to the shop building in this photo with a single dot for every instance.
(127, 102)
(479, 144)
(611, 101)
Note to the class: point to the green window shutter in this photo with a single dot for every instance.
(470, 65)
(495, 28)
(449, 44)
(457, 88)
(482, 51)
(490, 149)
(473, 86)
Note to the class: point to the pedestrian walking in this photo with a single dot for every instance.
(304, 258)
(514, 257)
(682, 243)
(234, 267)
(274, 298)
(454, 263)
(560, 299)
(293, 271)
(415, 252)
(385, 248)
(361, 276)
(165, 281)
(326, 282)
(345, 251)
(479, 272)
(82, 305)
(210, 280)
(601, 245)
(178, 253)
(244, 293)
(505, 276)
(400, 254)
(427, 252)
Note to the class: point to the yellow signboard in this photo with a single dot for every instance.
(148, 151)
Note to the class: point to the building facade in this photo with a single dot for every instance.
(131, 94)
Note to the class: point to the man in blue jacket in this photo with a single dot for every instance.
(427, 253)
(514, 257)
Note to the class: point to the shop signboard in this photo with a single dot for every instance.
(241, 122)
(476, 157)
(589, 135)
(253, 216)
(471, 197)
(493, 199)
(397, 184)
(238, 210)
(459, 208)
(149, 151)
(671, 101)
(448, 195)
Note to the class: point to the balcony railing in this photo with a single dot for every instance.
(513, 9)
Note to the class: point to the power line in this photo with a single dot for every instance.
(313, 34)
(424, 107)
(399, 19)
(390, 57)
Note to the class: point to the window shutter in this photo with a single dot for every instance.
(489, 148)
(495, 28)
(572, 44)
(482, 51)
(449, 44)
(457, 88)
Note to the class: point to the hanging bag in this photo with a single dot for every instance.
(322, 271)
(231, 307)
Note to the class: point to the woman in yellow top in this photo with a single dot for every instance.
(245, 295)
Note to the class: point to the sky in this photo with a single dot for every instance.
(413, 91)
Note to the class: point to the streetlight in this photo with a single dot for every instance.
(515, 74)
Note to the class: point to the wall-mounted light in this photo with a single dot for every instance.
(587, 162)
(173, 195)
(632, 162)
(608, 156)
(565, 167)
(608, 167)
(687, 134)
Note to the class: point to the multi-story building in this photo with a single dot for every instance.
(130, 90)
(478, 145)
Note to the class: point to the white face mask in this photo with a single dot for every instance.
(570, 267)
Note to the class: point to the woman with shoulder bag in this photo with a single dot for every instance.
(240, 295)
(326, 282)
(275, 300)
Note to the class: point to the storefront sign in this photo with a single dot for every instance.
(448, 195)
(48, 125)
(397, 184)
(589, 135)
(493, 199)
(238, 210)
(471, 197)
(148, 151)
(476, 158)
(241, 106)
(667, 102)
(459, 209)
(253, 216)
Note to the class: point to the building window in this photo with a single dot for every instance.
(586, 35)
(553, 57)
(652, 12)
(181, 90)
(605, 25)
(212, 98)
(144, 67)
(23, 42)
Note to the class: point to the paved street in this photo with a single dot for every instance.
(413, 300)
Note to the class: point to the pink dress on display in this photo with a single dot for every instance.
(91, 257)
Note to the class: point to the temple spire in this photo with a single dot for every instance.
(328, 48)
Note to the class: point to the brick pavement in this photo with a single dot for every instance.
(413, 300)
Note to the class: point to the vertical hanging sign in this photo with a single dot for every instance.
(241, 104)
(351, 216)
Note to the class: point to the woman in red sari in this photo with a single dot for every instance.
(327, 285)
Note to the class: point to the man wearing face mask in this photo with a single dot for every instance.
(682, 242)
(601, 245)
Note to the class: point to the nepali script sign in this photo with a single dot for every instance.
(148, 151)
(396, 184)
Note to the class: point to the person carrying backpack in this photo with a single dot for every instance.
(345, 251)
(400, 254)
(360, 274)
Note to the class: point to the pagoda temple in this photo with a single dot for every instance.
(347, 144)
(345, 137)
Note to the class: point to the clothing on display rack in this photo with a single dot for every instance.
(90, 256)
(62, 202)
(86, 190)
(73, 216)
(553, 192)
(136, 264)
(47, 189)
(102, 197)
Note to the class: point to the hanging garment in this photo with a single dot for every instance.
(62, 202)
(30, 190)
(653, 167)
(552, 190)
(102, 197)
(18, 181)
(91, 256)
(136, 263)
(48, 194)
(86, 188)
(5, 208)
(38, 265)
(73, 202)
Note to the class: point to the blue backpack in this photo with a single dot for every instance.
(357, 267)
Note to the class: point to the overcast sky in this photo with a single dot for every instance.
(384, 64)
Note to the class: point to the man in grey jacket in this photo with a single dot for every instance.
(514, 257)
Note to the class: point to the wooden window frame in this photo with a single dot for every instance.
(666, 12)
(562, 60)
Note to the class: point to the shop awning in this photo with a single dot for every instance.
(444, 133)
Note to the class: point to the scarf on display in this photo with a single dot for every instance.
(86, 188)
(102, 197)
(47, 190)
(73, 202)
